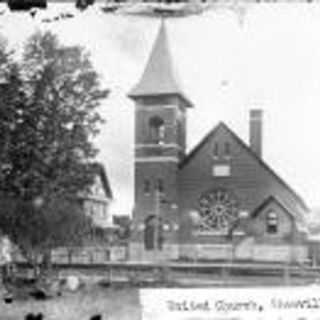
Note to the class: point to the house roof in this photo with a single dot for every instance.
(222, 125)
(159, 77)
(101, 171)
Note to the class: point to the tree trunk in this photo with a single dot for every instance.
(2, 277)
(36, 270)
(34, 260)
(47, 263)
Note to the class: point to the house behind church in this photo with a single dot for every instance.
(96, 204)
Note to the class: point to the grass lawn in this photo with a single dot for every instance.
(110, 303)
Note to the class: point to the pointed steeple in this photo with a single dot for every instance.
(158, 77)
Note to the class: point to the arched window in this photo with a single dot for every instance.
(272, 222)
(160, 186)
(146, 187)
(157, 130)
(227, 149)
(150, 233)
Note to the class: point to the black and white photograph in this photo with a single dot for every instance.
(159, 159)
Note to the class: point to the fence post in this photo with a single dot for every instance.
(224, 273)
(286, 274)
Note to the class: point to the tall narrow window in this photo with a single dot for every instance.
(161, 133)
(153, 233)
(227, 149)
(146, 186)
(272, 222)
(157, 130)
(160, 186)
(216, 149)
(149, 233)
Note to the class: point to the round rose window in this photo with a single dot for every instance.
(218, 211)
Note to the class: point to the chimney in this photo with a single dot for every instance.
(256, 131)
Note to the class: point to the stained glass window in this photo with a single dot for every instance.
(218, 211)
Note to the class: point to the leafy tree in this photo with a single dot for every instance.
(39, 229)
(48, 117)
(11, 95)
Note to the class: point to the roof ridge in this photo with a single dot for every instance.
(200, 144)
(267, 200)
(103, 175)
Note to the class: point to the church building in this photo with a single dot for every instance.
(219, 202)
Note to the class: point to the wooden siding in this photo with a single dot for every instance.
(251, 182)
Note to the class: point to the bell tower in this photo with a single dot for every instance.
(160, 142)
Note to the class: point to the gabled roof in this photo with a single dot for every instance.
(266, 202)
(100, 170)
(301, 225)
(158, 77)
(223, 126)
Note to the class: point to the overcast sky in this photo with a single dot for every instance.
(272, 61)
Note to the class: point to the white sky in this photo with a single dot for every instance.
(271, 61)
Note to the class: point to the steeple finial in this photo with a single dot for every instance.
(158, 77)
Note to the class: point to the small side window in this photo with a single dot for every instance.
(146, 187)
(160, 186)
(272, 222)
